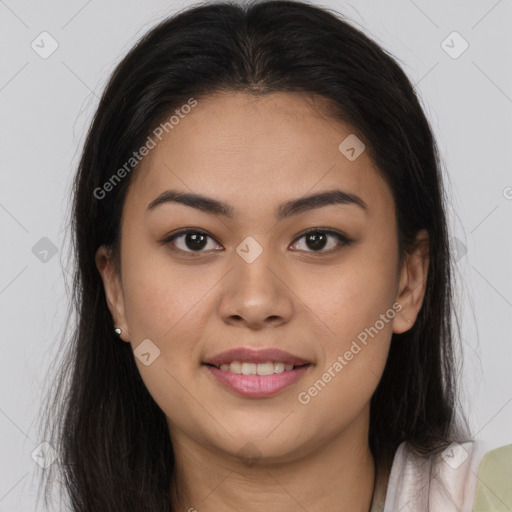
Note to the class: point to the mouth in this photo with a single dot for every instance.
(257, 380)
(249, 368)
(256, 373)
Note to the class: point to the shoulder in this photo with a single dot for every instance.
(494, 487)
(444, 481)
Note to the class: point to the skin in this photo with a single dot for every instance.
(256, 153)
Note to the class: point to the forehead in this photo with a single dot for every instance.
(249, 149)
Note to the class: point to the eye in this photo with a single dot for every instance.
(317, 239)
(196, 241)
(192, 240)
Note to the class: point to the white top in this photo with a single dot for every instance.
(445, 482)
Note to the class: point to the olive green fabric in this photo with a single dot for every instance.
(494, 487)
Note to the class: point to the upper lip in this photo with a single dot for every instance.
(250, 355)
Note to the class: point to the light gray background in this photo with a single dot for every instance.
(46, 104)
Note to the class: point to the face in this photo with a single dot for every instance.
(318, 280)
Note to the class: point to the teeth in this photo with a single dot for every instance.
(267, 368)
(264, 368)
(281, 367)
(237, 367)
(249, 368)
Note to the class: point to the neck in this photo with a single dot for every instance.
(340, 472)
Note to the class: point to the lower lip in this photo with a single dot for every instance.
(257, 386)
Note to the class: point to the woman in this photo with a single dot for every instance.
(259, 217)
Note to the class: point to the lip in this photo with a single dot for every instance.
(249, 355)
(257, 386)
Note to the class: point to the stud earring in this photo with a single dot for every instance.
(117, 331)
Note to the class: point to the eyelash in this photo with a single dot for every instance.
(343, 240)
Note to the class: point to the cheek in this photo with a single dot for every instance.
(166, 303)
(354, 303)
(354, 351)
(162, 297)
(351, 296)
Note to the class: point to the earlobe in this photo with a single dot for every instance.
(412, 284)
(113, 290)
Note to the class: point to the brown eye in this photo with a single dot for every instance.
(188, 240)
(318, 239)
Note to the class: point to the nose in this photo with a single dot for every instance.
(257, 294)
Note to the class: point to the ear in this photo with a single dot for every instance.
(412, 284)
(113, 289)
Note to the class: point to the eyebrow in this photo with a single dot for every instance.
(215, 207)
